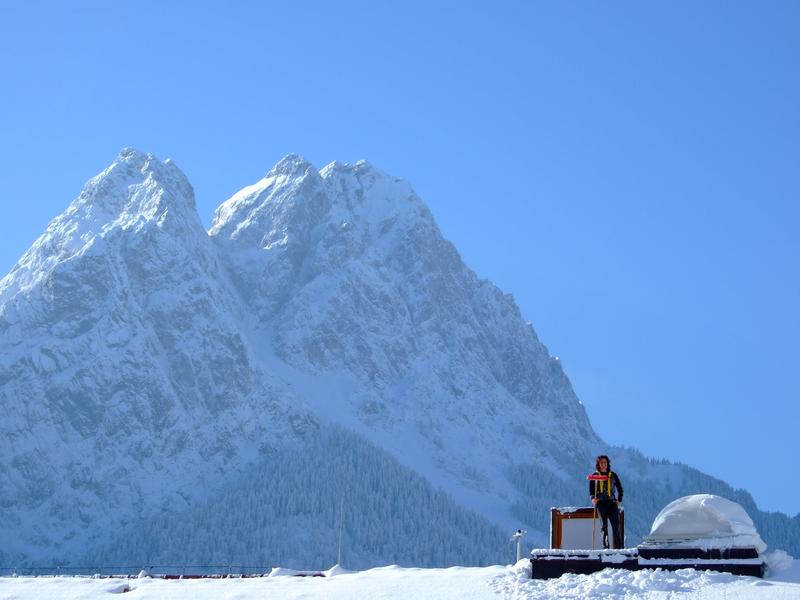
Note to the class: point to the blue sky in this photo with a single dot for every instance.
(629, 171)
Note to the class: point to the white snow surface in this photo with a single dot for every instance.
(393, 583)
(707, 520)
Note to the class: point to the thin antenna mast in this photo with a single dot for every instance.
(341, 529)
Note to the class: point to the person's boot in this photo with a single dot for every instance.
(605, 538)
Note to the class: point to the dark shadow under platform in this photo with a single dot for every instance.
(547, 564)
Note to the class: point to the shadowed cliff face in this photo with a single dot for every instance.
(145, 362)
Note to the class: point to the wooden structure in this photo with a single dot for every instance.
(572, 528)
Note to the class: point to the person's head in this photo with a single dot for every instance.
(603, 463)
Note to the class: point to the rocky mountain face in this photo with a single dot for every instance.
(125, 382)
(147, 365)
(349, 279)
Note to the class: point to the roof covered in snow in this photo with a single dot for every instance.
(705, 520)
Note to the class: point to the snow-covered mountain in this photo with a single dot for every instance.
(155, 373)
(125, 382)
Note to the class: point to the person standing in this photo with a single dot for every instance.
(606, 496)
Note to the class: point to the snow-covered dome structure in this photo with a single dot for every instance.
(705, 520)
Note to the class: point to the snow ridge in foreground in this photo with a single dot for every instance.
(463, 583)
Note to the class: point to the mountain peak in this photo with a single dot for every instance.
(136, 190)
(360, 167)
(244, 215)
(296, 203)
(133, 166)
(135, 182)
(291, 165)
(374, 195)
(132, 154)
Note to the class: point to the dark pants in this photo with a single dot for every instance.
(609, 512)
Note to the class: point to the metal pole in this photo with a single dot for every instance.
(517, 537)
(341, 529)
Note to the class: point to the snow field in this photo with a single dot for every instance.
(392, 583)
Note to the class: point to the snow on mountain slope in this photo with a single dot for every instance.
(365, 306)
(146, 365)
(124, 380)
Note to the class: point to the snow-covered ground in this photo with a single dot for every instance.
(463, 583)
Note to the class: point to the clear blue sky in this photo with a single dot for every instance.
(630, 171)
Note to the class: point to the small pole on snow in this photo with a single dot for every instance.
(341, 529)
(517, 537)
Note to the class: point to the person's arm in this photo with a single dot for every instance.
(618, 483)
(592, 483)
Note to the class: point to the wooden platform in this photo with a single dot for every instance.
(547, 564)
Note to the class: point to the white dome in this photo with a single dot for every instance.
(705, 517)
